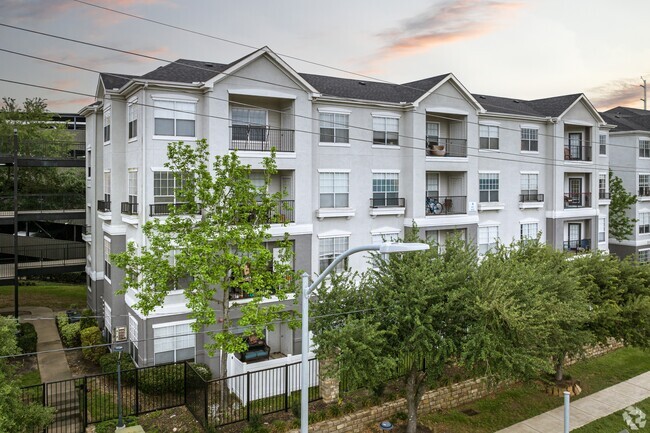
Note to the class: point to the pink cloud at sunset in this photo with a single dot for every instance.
(624, 92)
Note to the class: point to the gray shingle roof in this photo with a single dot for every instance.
(114, 80)
(186, 71)
(552, 107)
(628, 119)
(555, 105)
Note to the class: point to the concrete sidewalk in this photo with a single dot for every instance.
(589, 408)
(53, 366)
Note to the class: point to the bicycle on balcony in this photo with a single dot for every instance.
(433, 206)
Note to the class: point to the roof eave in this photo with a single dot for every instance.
(468, 96)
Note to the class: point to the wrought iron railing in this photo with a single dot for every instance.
(446, 205)
(577, 245)
(261, 138)
(603, 195)
(103, 205)
(128, 208)
(387, 202)
(577, 199)
(577, 152)
(527, 198)
(450, 147)
(162, 209)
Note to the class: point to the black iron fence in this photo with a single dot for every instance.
(43, 202)
(261, 138)
(162, 209)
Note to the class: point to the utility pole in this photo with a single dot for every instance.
(645, 98)
(16, 223)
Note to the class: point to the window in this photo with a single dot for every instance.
(334, 189)
(108, 322)
(433, 185)
(248, 124)
(489, 137)
(487, 238)
(602, 236)
(644, 185)
(164, 186)
(89, 162)
(334, 128)
(602, 144)
(385, 189)
(107, 126)
(644, 223)
(133, 186)
(173, 343)
(133, 119)
(528, 139)
(107, 186)
(529, 231)
(644, 148)
(433, 134)
(644, 256)
(174, 118)
(133, 337)
(488, 185)
(107, 259)
(529, 186)
(385, 130)
(329, 249)
(602, 186)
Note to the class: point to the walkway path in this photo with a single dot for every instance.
(589, 408)
(53, 366)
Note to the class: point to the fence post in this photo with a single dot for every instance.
(44, 398)
(137, 396)
(205, 403)
(248, 396)
(85, 401)
(185, 383)
(286, 387)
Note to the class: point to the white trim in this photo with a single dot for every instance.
(529, 172)
(334, 234)
(379, 171)
(459, 86)
(291, 229)
(489, 205)
(489, 123)
(489, 223)
(335, 212)
(154, 169)
(173, 137)
(386, 114)
(334, 170)
(445, 110)
(577, 123)
(167, 324)
(106, 238)
(528, 126)
(529, 221)
(261, 154)
(182, 98)
(335, 110)
(385, 230)
(386, 146)
(114, 230)
(332, 145)
(266, 93)
(489, 172)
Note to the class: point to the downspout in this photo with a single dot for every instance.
(145, 172)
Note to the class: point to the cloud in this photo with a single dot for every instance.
(624, 92)
(444, 23)
(68, 104)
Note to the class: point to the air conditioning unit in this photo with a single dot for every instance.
(119, 333)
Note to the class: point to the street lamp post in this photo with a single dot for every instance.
(307, 290)
(120, 421)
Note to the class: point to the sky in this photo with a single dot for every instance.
(524, 49)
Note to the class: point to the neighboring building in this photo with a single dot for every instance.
(362, 161)
(630, 160)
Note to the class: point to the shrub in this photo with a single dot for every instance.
(87, 320)
(108, 364)
(255, 425)
(70, 335)
(295, 409)
(334, 411)
(279, 426)
(61, 320)
(348, 407)
(27, 337)
(91, 337)
(203, 370)
(162, 379)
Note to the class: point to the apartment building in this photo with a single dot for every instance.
(630, 160)
(361, 161)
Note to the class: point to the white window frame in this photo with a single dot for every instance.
(380, 125)
(157, 189)
(107, 185)
(643, 255)
(107, 126)
(528, 230)
(489, 234)
(602, 144)
(175, 336)
(390, 198)
(491, 133)
(340, 122)
(644, 147)
(107, 260)
(602, 176)
(323, 182)
(489, 176)
(132, 185)
(644, 222)
(132, 120)
(602, 229)
(527, 139)
(336, 245)
(177, 114)
(644, 187)
(526, 183)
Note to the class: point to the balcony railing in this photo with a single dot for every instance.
(44, 202)
(86, 230)
(46, 149)
(451, 147)
(261, 138)
(162, 209)
(129, 208)
(531, 198)
(387, 202)
(578, 245)
(103, 205)
(577, 152)
(577, 199)
(446, 205)
(644, 191)
(603, 195)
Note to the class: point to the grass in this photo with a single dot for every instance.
(29, 378)
(57, 296)
(615, 421)
(521, 401)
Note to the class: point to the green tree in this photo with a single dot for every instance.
(15, 415)
(220, 253)
(621, 226)
(634, 320)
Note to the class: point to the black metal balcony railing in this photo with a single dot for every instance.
(47, 251)
(446, 205)
(284, 213)
(44, 202)
(86, 230)
(528, 198)
(387, 202)
(55, 149)
(644, 191)
(162, 209)
(577, 199)
(261, 138)
(603, 195)
(128, 208)
(103, 205)
(451, 147)
(578, 245)
(577, 152)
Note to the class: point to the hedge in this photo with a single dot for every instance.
(91, 337)
(87, 319)
(61, 320)
(27, 337)
(70, 335)
(108, 364)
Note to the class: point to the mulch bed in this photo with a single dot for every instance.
(80, 367)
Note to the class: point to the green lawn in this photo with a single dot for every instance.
(29, 378)
(57, 296)
(615, 422)
(523, 401)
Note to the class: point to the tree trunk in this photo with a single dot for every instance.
(414, 392)
(559, 365)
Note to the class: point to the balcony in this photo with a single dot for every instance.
(387, 202)
(531, 198)
(261, 139)
(603, 195)
(103, 205)
(162, 209)
(86, 230)
(446, 205)
(577, 200)
(577, 245)
(450, 147)
(128, 208)
(644, 191)
(284, 213)
(577, 152)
